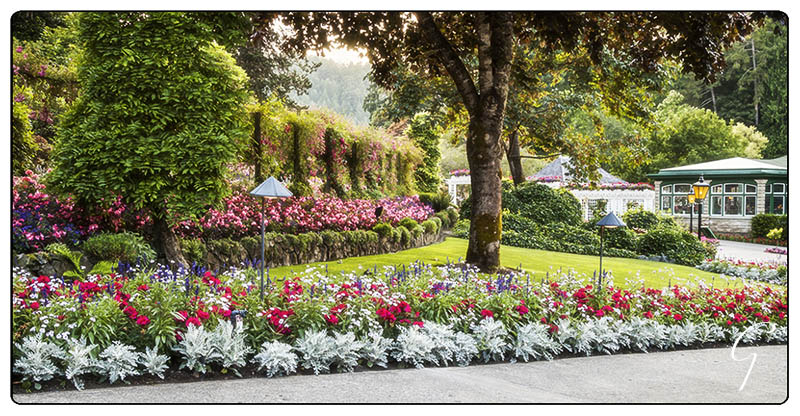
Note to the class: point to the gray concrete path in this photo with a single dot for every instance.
(748, 252)
(691, 376)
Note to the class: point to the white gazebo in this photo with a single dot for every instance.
(618, 195)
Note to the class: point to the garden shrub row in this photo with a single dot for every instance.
(538, 217)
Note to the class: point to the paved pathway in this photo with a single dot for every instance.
(748, 252)
(690, 376)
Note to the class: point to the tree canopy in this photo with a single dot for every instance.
(160, 117)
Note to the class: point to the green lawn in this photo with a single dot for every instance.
(538, 262)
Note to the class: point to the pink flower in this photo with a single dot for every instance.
(487, 313)
(142, 320)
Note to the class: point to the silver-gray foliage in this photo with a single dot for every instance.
(415, 347)
(466, 349)
(534, 341)
(118, 361)
(490, 336)
(346, 351)
(197, 349)
(37, 361)
(277, 358)
(444, 341)
(79, 361)
(230, 344)
(317, 351)
(153, 362)
(375, 349)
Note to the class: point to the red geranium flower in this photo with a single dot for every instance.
(487, 313)
(331, 319)
(34, 305)
(142, 320)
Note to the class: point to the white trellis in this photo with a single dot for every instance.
(617, 200)
(452, 187)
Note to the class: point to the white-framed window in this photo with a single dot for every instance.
(776, 198)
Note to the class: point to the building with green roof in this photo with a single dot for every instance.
(740, 189)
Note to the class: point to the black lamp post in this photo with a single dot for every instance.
(691, 211)
(609, 221)
(270, 188)
(700, 189)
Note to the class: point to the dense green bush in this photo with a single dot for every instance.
(383, 229)
(537, 202)
(452, 212)
(444, 218)
(397, 235)
(646, 220)
(439, 201)
(431, 226)
(571, 234)
(405, 235)
(461, 229)
(225, 247)
(674, 243)
(761, 224)
(194, 250)
(409, 223)
(622, 238)
(125, 247)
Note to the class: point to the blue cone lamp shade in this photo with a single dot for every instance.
(271, 188)
(610, 221)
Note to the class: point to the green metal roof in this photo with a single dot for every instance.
(736, 166)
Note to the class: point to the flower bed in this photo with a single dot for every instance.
(777, 250)
(748, 239)
(39, 218)
(762, 272)
(146, 321)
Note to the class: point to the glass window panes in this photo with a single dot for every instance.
(749, 205)
(666, 203)
(733, 205)
(681, 205)
(716, 189)
(682, 188)
(666, 189)
(716, 205)
(749, 189)
(734, 188)
(777, 205)
(778, 188)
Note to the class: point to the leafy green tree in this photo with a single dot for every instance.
(160, 117)
(486, 41)
(423, 132)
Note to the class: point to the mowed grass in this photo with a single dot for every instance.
(537, 262)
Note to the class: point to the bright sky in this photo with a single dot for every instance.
(345, 56)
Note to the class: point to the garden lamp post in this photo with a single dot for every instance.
(691, 211)
(609, 221)
(700, 189)
(270, 188)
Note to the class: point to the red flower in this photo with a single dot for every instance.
(677, 316)
(202, 314)
(130, 311)
(417, 323)
(43, 279)
(487, 313)
(522, 309)
(331, 319)
(34, 305)
(142, 320)
(648, 315)
(144, 288)
(193, 321)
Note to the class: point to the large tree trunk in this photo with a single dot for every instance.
(484, 155)
(486, 107)
(514, 159)
(167, 243)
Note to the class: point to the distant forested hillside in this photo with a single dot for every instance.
(340, 88)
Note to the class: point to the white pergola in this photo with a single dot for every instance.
(617, 200)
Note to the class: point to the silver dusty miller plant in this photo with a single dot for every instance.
(79, 361)
(37, 361)
(466, 349)
(318, 351)
(490, 335)
(229, 343)
(118, 361)
(153, 362)
(276, 358)
(197, 349)
(534, 342)
(415, 347)
(346, 351)
(375, 349)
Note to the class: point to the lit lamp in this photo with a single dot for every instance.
(700, 189)
(270, 188)
(691, 211)
(609, 221)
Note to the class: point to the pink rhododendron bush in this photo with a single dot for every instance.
(157, 322)
(40, 218)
